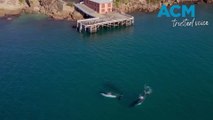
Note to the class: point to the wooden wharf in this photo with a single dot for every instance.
(99, 21)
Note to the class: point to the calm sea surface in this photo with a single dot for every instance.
(48, 71)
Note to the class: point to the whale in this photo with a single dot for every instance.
(138, 102)
(141, 98)
(110, 95)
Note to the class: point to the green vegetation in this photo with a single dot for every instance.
(118, 2)
(71, 4)
(153, 1)
(21, 1)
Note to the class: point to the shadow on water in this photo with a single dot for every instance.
(112, 87)
(108, 32)
(133, 104)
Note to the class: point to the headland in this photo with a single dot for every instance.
(65, 10)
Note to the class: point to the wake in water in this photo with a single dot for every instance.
(147, 90)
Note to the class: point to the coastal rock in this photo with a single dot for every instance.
(136, 5)
(10, 7)
(64, 9)
(76, 15)
(33, 5)
(210, 1)
(13, 12)
(57, 9)
(61, 9)
(2, 13)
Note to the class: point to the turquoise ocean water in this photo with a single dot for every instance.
(48, 71)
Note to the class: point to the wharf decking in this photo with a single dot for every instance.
(98, 21)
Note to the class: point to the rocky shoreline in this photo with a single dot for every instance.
(57, 9)
(129, 6)
(64, 9)
(136, 5)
